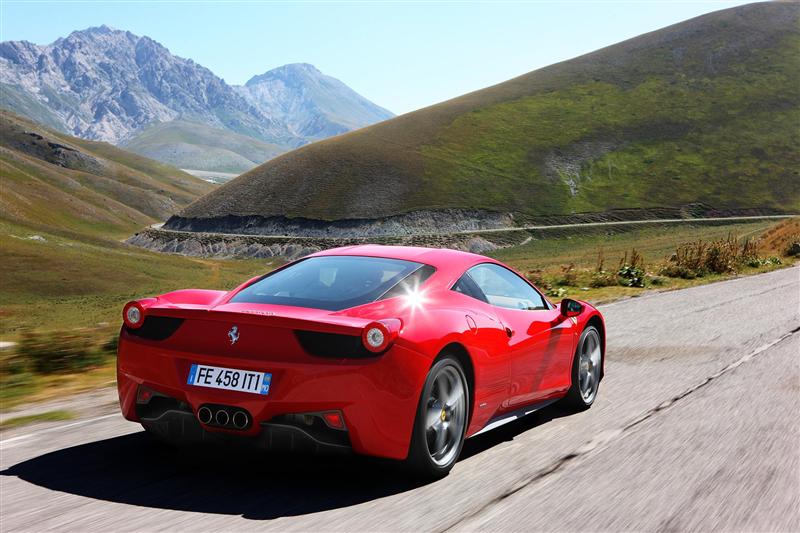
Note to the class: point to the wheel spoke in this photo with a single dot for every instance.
(456, 395)
(595, 356)
(441, 439)
(433, 417)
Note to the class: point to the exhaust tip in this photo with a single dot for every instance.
(204, 415)
(222, 417)
(240, 419)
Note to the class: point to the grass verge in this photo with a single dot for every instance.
(49, 416)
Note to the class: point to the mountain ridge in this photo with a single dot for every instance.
(112, 85)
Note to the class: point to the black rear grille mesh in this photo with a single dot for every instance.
(156, 328)
(332, 344)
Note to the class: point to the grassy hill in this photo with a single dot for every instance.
(200, 147)
(65, 206)
(52, 180)
(703, 111)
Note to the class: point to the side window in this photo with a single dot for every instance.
(466, 286)
(504, 288)
(411, 283)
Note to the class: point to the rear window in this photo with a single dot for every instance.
(331, 282)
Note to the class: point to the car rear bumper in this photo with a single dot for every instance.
(377, 397)
(180, 426)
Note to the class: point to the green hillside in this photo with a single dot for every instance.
(200, 147)
(703, 111)
(66, 204)
(54, 181)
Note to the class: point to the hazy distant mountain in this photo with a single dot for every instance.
(311, 104)
(111, 85)
(105, 84)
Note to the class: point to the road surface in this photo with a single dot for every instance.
(696, 428)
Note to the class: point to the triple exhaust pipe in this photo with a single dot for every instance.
(224, 417)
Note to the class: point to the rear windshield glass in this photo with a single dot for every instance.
(330, 282)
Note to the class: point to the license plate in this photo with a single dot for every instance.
(216, 377)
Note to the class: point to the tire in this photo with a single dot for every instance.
(587, 365)
(438, 427)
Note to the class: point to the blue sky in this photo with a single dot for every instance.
(403, 55)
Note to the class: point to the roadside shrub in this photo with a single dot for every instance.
(12, 363)
(59, 351)
(631, 276)
(722, 256)
(110, 346)
(678, 271)
(536, 276)
(557, 292)
(696, 259)
(569, 276)
(631, 271)
(603, 278)
(689, 259)
(759, 262)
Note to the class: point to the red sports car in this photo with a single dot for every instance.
(389, 351)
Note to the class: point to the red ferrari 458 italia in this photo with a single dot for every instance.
(388, 351)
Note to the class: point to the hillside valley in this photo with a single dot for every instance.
(66, 205)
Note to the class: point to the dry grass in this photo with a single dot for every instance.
(778, 239)
(640, 254)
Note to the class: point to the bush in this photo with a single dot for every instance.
(631, 276)
(536, 276)
(59, 351)
(759, 262)
(696, 259)
(557, 292)
(601, 278)
(111, 345)
(631, 272)
(722, 256)
(569, 276)
(678, 271)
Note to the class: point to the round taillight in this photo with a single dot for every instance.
(375, 337)
(133, 315)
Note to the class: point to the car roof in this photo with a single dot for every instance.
(441, 258)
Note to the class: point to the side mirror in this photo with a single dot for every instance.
(571, 307)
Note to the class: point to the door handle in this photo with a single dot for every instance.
(509, 332)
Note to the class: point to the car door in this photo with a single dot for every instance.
(540, 339)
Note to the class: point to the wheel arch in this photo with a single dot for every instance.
(599, 324)
(460, 352)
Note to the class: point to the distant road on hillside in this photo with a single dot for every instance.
(629, 222)
(528, 228)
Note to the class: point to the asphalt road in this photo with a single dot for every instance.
(696, 428)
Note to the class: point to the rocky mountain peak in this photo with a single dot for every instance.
(107, 84)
